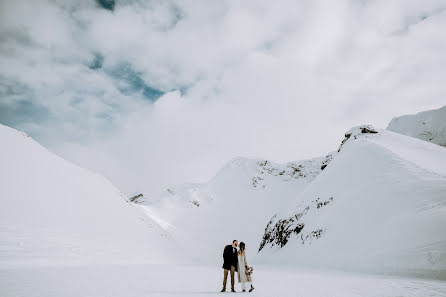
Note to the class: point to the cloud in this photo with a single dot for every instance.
(151, 93)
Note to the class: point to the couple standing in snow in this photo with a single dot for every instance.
(235, 260)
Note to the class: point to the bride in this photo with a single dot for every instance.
(243, 269)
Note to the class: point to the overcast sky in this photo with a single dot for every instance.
(155, 93)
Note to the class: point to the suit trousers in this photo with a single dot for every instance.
(225, 277)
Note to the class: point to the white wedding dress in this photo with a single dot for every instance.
(242, 277)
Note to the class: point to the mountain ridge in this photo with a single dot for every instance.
(56, 213)
(427, 125)
(369, 170)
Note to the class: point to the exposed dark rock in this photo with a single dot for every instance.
(320, 203)
(327, 160)
(316, 234)
(362, 130)
(347, 136)
(256, 180)
(278, 232)
(293, 170)
(368, 130)
(137, 198)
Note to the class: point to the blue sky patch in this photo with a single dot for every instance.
(107, 4)
(130, 82)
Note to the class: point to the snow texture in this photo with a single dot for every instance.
(427, 125)
(235, 204)
(55, 213)
(379, 206)
(192, 281)
(339, 225)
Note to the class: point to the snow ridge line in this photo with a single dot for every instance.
(412, 166)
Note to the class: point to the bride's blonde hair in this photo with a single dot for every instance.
(242, 248)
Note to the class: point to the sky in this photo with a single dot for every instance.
(157, 93)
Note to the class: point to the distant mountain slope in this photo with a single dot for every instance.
(55, 213)
(427, 125)
(235, 204)
(379, 206)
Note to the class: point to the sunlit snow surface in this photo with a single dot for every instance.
(383, 210)
(162, 280)
(55, 213)
(428, 125)
(67, 232)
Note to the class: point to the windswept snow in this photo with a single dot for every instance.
(427, 125)
(55, 213)
(379, 206)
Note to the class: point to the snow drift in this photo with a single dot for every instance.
(427, 125)
(379, 206)
(55, 213)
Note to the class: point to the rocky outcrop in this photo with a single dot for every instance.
(279, 231)
(137, 199)
(355, 132)
(305, 170)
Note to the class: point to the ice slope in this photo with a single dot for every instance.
(235, 204)
(55, 213)
(427, 125)
(379, 206)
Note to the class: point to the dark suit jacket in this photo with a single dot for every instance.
(230, 258)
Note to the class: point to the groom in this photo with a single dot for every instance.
(230, 261)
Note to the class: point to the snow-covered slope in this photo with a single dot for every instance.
(55, 213)
(235, 204)
(427, 125)
(379, 206)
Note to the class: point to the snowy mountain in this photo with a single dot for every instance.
(427, 125)
(55, 213)
(379, 206)
(235, 204)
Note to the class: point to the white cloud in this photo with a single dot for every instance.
(252, 78)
